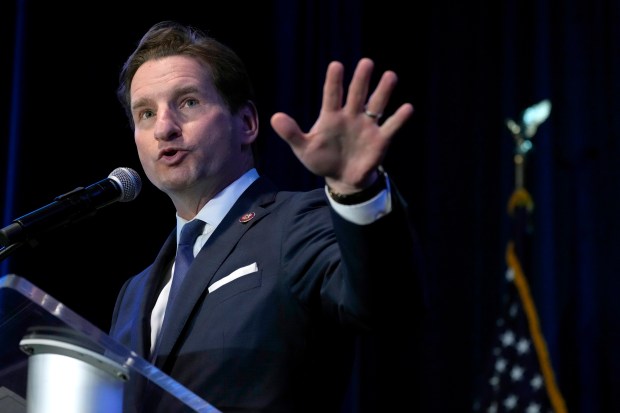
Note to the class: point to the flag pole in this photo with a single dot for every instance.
(523, 133)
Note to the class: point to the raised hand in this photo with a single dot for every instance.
(347, 142)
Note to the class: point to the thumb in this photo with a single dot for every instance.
(287, 128)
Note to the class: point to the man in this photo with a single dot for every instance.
(266, 315)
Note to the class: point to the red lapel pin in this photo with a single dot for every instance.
(246, 217)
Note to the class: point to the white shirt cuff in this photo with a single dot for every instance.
(366, 212)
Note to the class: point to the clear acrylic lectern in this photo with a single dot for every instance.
(52, 360)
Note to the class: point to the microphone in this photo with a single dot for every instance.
(122, 185)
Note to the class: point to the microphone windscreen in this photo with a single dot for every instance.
(129, 181)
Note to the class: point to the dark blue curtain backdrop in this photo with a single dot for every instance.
(466, 67)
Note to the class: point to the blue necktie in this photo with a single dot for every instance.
(185, 253)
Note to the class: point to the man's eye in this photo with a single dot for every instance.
(191, 102)
(147, 114)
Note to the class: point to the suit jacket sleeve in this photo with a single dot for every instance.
(365, 275)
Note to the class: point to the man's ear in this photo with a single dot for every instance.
(249, 121)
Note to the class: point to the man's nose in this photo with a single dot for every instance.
(166, 125)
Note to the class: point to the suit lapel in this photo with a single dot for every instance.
(219, 246)
(156, 276)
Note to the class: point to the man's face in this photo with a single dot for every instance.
(188, 142)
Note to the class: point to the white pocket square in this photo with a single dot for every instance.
(239, 272)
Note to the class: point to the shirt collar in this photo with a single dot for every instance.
(216, 209)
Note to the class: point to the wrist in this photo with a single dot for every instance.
(364, 195)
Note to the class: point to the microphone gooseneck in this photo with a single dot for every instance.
(122, 185)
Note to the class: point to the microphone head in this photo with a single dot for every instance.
(129, 181)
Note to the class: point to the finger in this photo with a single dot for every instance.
(397, 120)
(287, 128)
(358, 89)
(332, 88)
(379, 99)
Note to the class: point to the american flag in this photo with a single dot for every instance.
(519, 377)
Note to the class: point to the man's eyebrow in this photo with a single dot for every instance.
(185, 90)
(139, 103)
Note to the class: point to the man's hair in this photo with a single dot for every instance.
(169, 38)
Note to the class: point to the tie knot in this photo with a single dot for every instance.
(190, 232)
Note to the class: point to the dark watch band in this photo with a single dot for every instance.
(364, 195)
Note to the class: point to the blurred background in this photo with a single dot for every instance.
(467, 67)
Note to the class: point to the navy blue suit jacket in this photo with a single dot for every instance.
(279, 338)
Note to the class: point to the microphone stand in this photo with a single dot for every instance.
(9, 249)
